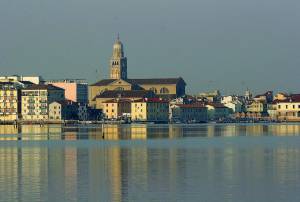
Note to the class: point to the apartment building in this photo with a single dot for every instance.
(36, 99)
(150, 109)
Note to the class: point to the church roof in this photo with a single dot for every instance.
(152, 81)
(125, 94)
(156, 81)
(103, 82)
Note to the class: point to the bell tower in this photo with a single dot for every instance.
(118, 62)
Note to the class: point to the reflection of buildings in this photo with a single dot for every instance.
(114, 172)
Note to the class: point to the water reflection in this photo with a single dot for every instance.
(143, 131)
(146, 173)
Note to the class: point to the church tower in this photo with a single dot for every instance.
(118, 63)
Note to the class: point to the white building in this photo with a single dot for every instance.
(233, 103)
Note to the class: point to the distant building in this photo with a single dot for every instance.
(117, 108)
(214, 96)
(163, 87)
(63, 110)
(9, 101)
(36, 100)
(216, 111)
(289, 109)
(150, 109)
(265, 98)
(188, 113)
(233, 103)
(258, 107)
(76, 90)
(123, 94)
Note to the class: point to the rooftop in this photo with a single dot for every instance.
(42, 87)
(141, 81)
(125, 94)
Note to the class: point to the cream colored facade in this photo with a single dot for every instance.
(288, 111)
(155, 110)
(114, 109)
(36, 100)
(9, 103)
(55, 111)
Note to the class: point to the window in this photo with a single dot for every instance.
(293, 106)
(153, 89)
(279, 106)
(286, 106)
(164, 90)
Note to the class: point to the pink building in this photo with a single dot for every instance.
(76, 90)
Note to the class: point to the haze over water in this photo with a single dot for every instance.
(206, 162)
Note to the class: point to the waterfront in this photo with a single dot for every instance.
(205, 162)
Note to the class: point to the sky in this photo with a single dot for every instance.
(230, 45)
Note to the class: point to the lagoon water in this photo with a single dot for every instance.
(207, 162)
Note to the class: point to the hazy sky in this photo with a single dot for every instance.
(213, 44)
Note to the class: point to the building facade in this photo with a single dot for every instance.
(216, 111)
(117, 108)
(9, 101)
(76, 90)
(289, 110)
(36, 99)
(123, 94)
(63, 110)
(150, 109)
(188, 113)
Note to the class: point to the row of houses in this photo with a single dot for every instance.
(160, 110)
(28, 101)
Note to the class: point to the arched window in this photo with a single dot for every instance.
(153, 89)
(164, 90)
(119, 88)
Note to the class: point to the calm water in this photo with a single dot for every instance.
(258, 162)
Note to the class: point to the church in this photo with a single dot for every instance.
(119, 82)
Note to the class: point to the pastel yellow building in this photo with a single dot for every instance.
(121, 94)
(9, 101)
(150, 109)
(36, 100)
(289, 110)
(117, 108)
